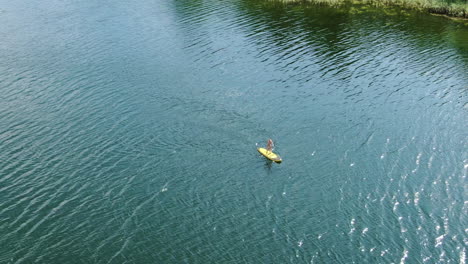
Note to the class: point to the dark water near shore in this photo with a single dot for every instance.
(128, 133)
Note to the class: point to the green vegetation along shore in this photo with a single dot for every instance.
(452, 8)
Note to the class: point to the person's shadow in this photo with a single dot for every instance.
(268, 165)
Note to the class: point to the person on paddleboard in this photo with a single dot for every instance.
(270, 145)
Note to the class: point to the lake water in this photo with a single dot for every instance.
(128, 133)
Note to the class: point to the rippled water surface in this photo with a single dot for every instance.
(128, 133)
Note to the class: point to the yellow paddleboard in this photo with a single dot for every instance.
(270, 155)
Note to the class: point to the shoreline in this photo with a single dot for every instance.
(435, 7)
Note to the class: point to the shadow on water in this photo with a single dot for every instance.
(268, 165)
(291, 35)
(338, 29)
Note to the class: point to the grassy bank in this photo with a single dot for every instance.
(452, 8)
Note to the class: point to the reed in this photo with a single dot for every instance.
(452, 8)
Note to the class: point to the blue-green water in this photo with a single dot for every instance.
(128, 133)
